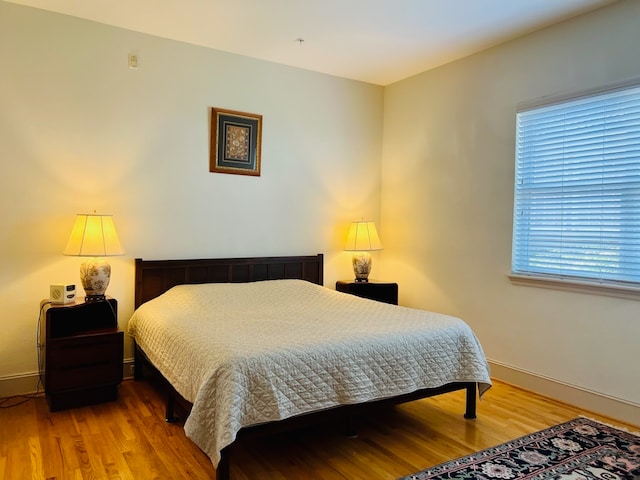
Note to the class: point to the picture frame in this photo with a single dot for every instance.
(236, 139)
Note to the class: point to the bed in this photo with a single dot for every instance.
(253, 345)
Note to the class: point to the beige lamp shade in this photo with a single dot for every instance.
(362, 239)
(94, 236)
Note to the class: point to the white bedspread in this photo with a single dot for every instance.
(248, 353)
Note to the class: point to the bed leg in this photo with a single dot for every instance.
(137, 364)
(169, 414)
(223, 469)
(471, 401)
(350, 429)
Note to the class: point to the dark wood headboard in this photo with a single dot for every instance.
(154, 277)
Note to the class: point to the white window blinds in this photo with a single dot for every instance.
(577, 188)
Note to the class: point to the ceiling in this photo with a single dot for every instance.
(375, 41)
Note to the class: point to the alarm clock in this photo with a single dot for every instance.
(62, 293)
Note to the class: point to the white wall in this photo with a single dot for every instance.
(80, 131)
(447, 198)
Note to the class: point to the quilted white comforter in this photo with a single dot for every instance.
(248, 353)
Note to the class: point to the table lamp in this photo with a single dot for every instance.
(362, 239)
(94, 236)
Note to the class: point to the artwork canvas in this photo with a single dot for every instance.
(235, 142)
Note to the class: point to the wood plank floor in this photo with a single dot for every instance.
(128, 439)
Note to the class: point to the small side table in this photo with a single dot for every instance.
(382, 292)
(83, 352)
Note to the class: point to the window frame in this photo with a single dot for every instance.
(616, 288)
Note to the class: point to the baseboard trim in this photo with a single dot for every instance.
(23, 384)
(589, 400)
(27, 383)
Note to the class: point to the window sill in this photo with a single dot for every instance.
(631, 292)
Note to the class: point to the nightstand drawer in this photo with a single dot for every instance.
(84, 362)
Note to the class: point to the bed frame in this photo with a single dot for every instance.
(154, 277)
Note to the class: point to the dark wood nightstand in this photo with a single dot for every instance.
(82, 351)
(382, 292)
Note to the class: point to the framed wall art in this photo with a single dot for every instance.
(235, 142)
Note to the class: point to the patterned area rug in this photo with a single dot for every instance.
(580, 449)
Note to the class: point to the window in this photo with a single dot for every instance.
(577, 188)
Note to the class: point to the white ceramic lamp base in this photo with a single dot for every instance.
(95, 275)
(361, 266)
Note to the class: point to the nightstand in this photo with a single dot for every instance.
(382, 292)
(82, 352)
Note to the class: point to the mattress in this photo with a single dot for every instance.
(249, 353)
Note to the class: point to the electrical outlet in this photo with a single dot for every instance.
(133, 61)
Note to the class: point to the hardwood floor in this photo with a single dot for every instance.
(128, 439)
